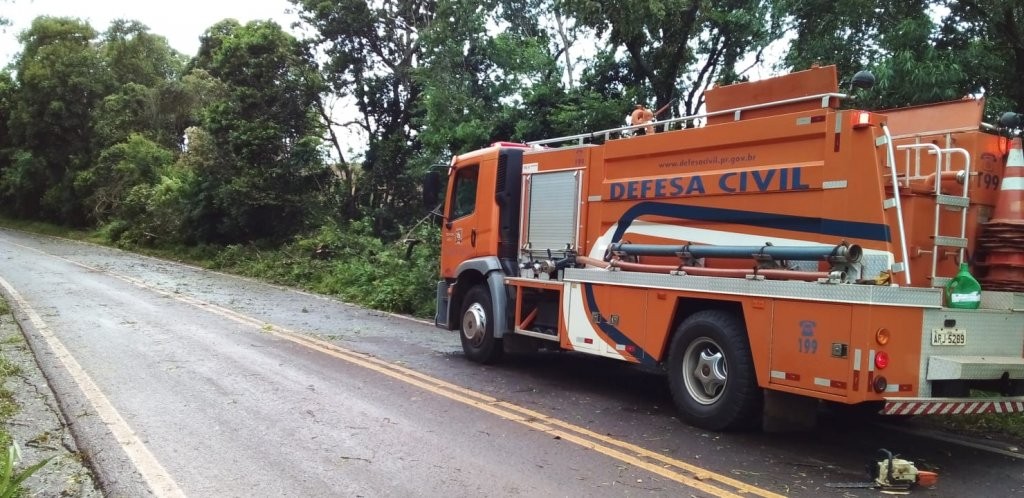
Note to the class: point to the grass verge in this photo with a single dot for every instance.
(1006, 425)
(8, 406)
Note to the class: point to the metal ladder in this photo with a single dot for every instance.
(954, 202)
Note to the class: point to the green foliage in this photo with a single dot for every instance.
(975, 48)
(988, 38)
(677, 48)
(23, 182)
(136, 56)
(120, 169)
(159, 213)
(503, 85)
(262, 179)
(60, 79)
(373, 51)
(1011, 424)
(8, 406)
(10, 481)
(350, 262)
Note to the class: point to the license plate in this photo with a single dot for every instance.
(949, 337)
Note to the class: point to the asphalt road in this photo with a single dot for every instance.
(182, 382)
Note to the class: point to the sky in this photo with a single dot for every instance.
(180, 21)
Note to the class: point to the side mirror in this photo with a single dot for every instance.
(431, 189)
(432, 196)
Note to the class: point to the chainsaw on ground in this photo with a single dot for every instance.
(892, 474)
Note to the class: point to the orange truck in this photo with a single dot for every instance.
(780, 250)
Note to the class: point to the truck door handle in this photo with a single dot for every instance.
(472, 237)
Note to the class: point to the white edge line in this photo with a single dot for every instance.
(157, 478)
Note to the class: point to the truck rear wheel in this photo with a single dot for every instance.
(477, 327)
(711, 372)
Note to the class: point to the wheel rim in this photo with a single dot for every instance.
(474, 324)
(704, 371)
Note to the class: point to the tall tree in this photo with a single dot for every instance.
(483, 84)
(990, 35)
(135, 55)
(847, 37)
(678, 48)
(264, 182)
(372, 52)
(60, 78)
(914, 60)
(144, 69)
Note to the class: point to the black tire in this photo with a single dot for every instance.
(476, 327)
(711, 373)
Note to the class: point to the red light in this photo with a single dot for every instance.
(881, 359)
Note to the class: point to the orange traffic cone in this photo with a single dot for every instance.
(1005, 231)
(1010, 205)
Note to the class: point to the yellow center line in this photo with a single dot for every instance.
(699, 478)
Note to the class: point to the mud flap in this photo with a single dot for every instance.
(443, 303)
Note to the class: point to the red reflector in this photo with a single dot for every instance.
(630, 349)
(881, 359)
(588, 341)
(817, 119)
(861, 119)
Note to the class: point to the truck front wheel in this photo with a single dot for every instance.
(711, 372)
(477, 328)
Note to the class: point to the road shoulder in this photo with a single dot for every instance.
(38, 426)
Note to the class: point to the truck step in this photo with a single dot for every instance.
(952, 200)
(944, 241)
(974, 367)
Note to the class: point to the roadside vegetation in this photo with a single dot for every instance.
(1009, 426)
(348, 262)
(8, 406)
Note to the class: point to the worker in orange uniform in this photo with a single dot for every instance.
(640, 116)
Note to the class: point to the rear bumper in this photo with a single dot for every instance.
(952, 406)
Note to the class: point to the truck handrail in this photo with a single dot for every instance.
(904, 266)
(606, 134)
